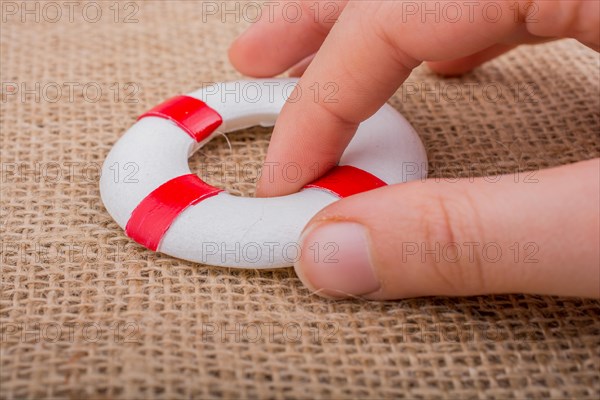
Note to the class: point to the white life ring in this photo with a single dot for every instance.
(168, 209)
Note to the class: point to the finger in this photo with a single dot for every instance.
(368, 53)
(466, 64)
(285, 34)
(352, 75)
(490, 235)
(299, 69)
(366, 56)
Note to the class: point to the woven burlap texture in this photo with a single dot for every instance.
(88, 313)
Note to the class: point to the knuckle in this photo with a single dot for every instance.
(575, 18)
(451, 229)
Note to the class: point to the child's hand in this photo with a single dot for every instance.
(403, 240)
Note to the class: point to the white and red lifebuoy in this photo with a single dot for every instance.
(167, 208)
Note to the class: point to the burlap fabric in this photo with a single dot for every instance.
(88, 313)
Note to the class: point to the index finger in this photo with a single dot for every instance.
(367, 55)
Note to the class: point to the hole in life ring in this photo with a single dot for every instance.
(234, 169)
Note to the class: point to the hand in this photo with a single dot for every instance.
(426, 238)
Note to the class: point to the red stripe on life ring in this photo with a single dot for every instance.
(151, 219)
(346, 180)
(192, 115)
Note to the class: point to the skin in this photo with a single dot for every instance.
(559, 214)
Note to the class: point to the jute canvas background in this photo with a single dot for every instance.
(86, 312)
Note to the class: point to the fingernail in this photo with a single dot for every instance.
(335, 260)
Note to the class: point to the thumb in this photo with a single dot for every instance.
(536, 232)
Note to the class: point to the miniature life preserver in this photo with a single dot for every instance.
(166, 208)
